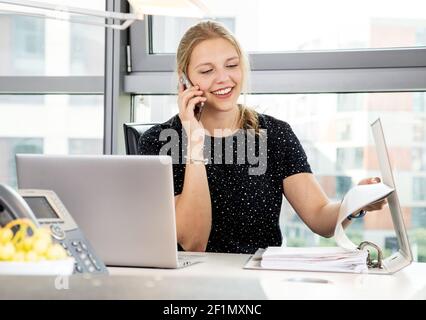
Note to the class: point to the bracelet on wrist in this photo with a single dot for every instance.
(195, 160)
(360, 214)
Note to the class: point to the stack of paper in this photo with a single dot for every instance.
(331, 259)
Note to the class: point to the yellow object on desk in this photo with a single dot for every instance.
(26, 249)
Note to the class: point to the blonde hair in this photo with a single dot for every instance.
(207, 30)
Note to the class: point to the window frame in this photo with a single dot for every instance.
(47, 85)
(337, 71)
(51, 85)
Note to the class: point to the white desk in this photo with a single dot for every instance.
(221, 277)
(225, 269)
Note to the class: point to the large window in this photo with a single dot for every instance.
(53, 126)
(338, 163)
(36, 46)
(51, 87)
(271, 26)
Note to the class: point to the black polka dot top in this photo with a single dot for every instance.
(245, 173)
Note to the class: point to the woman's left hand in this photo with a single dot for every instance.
(378, 205)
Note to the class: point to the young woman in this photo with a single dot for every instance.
(225, 202)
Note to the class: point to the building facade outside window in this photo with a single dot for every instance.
(62, 122)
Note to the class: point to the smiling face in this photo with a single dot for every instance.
(216, 67)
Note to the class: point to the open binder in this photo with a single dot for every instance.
(357, 198)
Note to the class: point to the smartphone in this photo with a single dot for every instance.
(199, 106)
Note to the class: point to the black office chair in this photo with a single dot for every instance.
(132, 132)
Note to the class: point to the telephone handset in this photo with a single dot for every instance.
(44, 207)
(199, 106)
(13, 206)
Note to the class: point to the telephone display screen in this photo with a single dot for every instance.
(41, 208)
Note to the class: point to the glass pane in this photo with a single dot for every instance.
(36, 46)
(49, 124)
(271, 26)
(85, 146)
(419, 188)
(8, 148)
(334, 130)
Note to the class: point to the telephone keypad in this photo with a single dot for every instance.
(85, 261)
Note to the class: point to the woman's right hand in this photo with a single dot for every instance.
(187, 100)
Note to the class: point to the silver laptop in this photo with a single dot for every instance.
(123, 204)
(403, 257)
